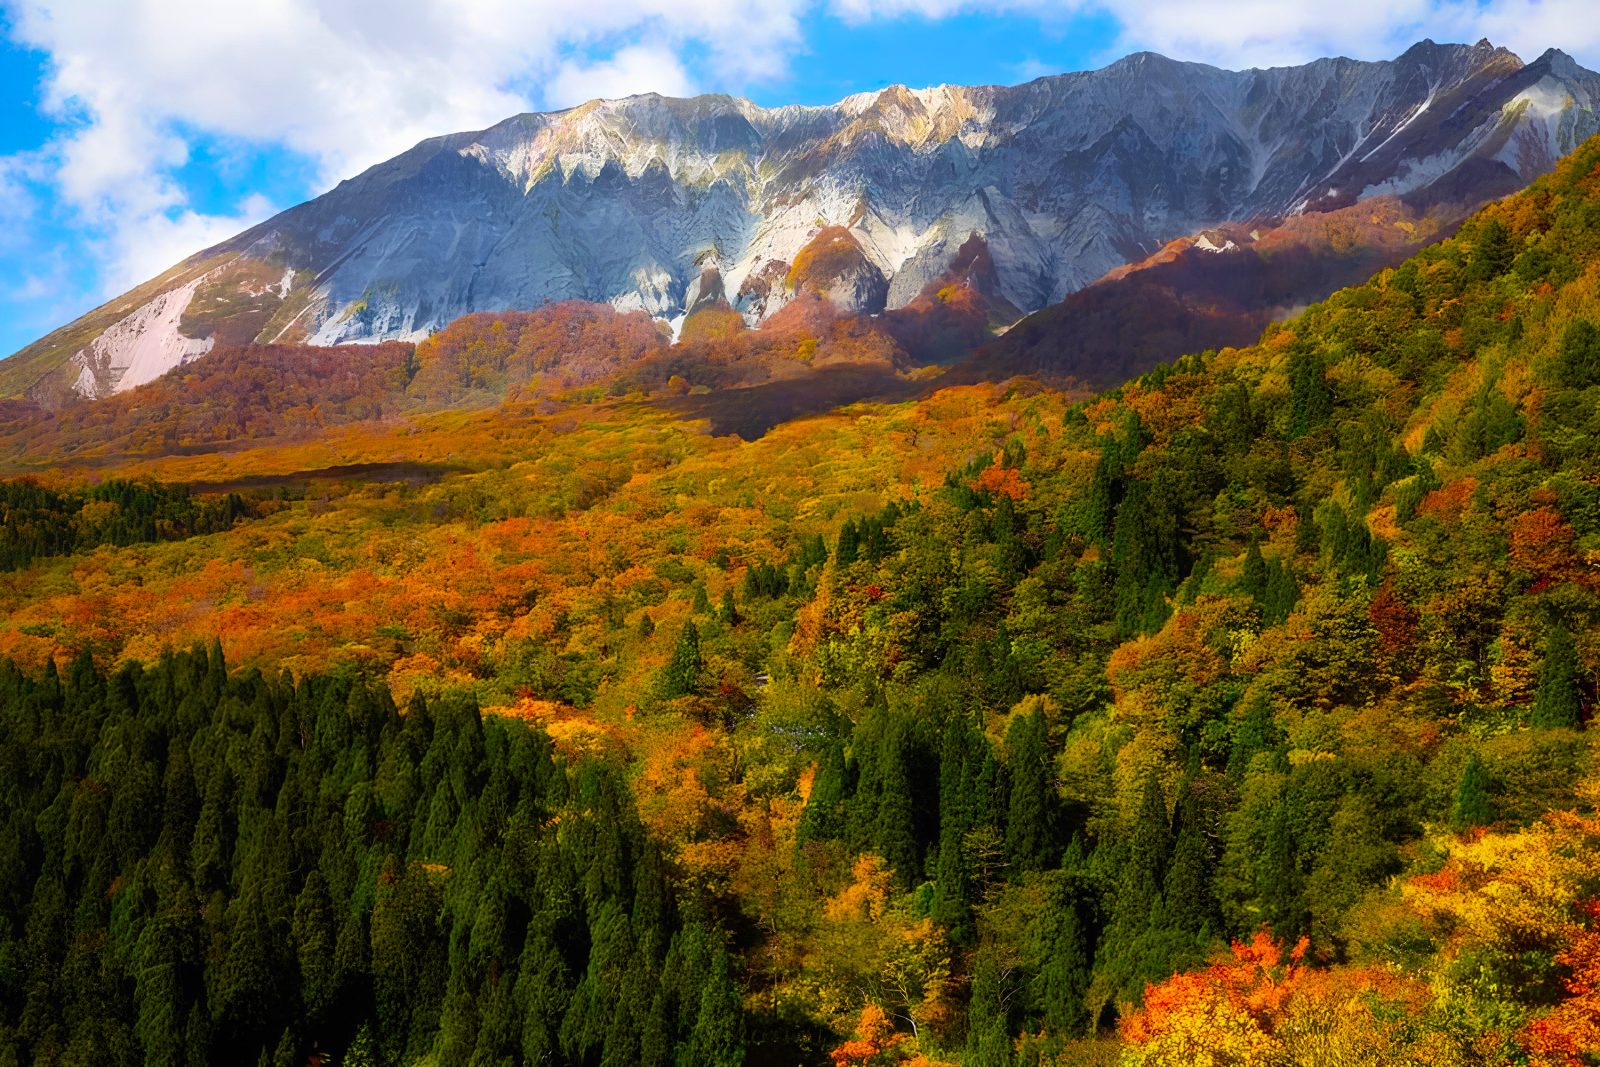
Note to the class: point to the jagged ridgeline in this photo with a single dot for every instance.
(202, 869)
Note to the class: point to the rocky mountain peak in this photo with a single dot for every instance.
(627, 202)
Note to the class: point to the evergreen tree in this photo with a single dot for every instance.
(1256, 731)
(988, 1023)
(1578, 358)
(1310, 399)
(1061, 951)
(1190, 905)
(895, 835)
(1280, 881)
(717, 1039)
(363, 1050)
(823, 818)
(848, 549)
(1558, 700)
(1472, 806)
(962, 805)
(1253, 580)
(1032, 818)
(681, 676)
(1492, 252)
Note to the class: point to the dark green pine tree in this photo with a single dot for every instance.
(1492, 252)
(1281, 595)
(1472, 806)
(1061, 950)
(1190, 905)
(1280, 881)
(1558, 700)
(962, 752)
(717, 1039)
(729, 610)
(1129, 953)
(1310, 399)
(988, 1022)
(895, 833)
(1253, 580)
(1032, 818)
(1578, 360)
(315, 938)
(681, 676)
(1149, 852)
(647, 625)
(848, 549)
(1256, 731)
(823, 818)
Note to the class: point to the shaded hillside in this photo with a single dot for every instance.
(1217, 289)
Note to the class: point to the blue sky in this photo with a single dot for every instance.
(135, 132)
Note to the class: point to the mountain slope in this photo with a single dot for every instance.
(645, 202)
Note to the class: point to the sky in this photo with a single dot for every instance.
(136, 132)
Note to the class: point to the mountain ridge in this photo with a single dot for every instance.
(636, 202)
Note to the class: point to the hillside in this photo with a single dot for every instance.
(1245, 708)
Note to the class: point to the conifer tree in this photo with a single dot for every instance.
(1190, 905)
(1472, 806)
(988, 1023)
(681, 676)
(895, 835)
(1280, 881)
(823, 818)
(1032, 820)
(1253, 580)
(1311, 401)
(717, 1039)
(1558, 701)
(1578, 359)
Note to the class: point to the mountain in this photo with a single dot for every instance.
(656, 204)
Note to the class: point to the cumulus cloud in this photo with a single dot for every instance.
(135, 83)
(636, 69)
(154, 241)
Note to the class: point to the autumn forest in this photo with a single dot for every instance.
(557, 691)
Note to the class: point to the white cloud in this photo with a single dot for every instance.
(353, 82)
(343, 83)
(636, 69)
(152, 242)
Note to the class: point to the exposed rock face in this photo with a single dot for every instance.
(141, 347)
(638, 202)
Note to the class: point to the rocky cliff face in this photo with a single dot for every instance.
(657, 204)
